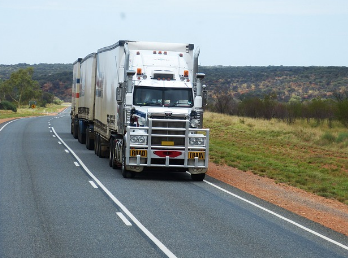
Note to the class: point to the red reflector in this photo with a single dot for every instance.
(171, 154)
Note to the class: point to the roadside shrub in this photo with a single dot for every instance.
(342, 137)
(328, 137)
(6, 105)
(57, 101)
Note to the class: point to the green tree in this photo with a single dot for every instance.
(21, 87)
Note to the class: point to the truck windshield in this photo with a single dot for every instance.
(153, 96)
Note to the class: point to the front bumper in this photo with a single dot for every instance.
(168, 147)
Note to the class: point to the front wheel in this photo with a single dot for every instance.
(125, 173)
(198, 177)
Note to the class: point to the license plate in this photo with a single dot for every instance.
(142, 153)
(198, 154)
(167, 143)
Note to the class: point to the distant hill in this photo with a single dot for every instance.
(285, 81)
(53, 78)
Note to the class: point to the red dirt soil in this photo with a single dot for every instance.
(330, 213)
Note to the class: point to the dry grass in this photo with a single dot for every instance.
(310, 156)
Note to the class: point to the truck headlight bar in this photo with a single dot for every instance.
(137, 139)
(196, 141)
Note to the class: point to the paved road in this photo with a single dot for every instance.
(57, 199)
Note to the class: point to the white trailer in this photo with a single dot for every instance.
(148, 107)
(86, 100)
(75, 93)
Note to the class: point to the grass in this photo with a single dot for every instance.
(310, 156)
(25, 111)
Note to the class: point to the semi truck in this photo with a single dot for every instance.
(141, 105)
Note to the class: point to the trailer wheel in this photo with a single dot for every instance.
(75, 128)
(99, 149)
(95, 143)
(125, 173)
(81, 136)
(71, 127)
(89, 141)
(111, 151)
(198, 177)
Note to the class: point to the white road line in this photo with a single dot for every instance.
(7, 124)
(54, 136)
(156, 241)
(124, 219)
(76, 164)
(93, 184)
(59, 143)
(66, 151)
(279, 216)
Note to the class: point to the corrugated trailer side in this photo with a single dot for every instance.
(86, 100)
(75, 97)
(108, 78)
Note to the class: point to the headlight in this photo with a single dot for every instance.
(137, 139)
(196, 141)
(194, 122)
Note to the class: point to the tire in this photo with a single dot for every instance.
(71, 127)
(99, 147)
(96, 144)
(89, 141)
(197, 177)
(79, 135)
(75, 129)
(114, 163)
(111, 154)
(125, 173)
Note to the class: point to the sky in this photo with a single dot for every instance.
(228, 32)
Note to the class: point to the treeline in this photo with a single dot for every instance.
(22, 89)
(269, 107)
(286, 81)
(53, 79)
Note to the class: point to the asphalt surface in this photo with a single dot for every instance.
(58, 199)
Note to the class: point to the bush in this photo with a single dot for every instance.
(6, 105)
(342, 137)
(328, 137)
(57, 101)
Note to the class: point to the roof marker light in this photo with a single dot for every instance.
(165, 52)
(160, 52)
(154, 52)
(138, 53)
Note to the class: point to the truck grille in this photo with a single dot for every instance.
(174, 128)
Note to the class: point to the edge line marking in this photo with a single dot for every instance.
(155, 240)
(124, 219)
(279, 216)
